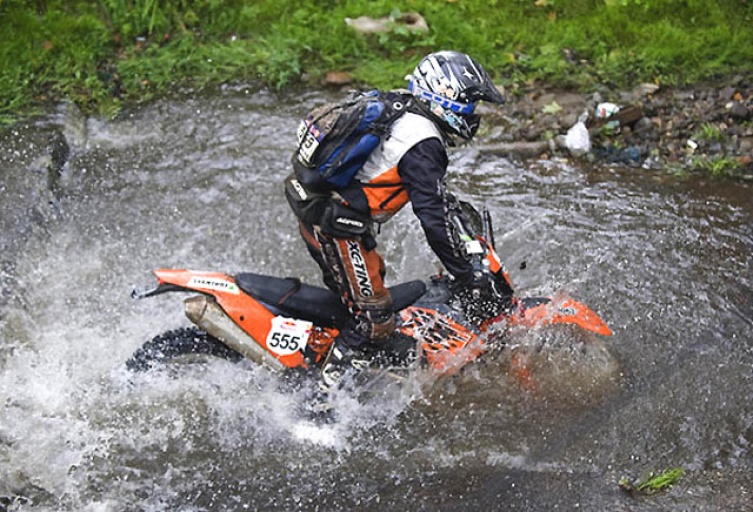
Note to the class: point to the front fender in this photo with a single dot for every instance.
(540, 311)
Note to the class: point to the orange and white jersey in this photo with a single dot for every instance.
(382, 185)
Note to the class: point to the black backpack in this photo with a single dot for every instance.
(336, 139)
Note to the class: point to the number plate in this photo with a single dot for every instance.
(308, 139)
(288, 336)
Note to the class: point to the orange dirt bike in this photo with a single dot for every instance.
(289, 325)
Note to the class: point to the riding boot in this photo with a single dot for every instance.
(348, 355)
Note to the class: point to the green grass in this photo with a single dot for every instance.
(716, 165)
(709, 132)
(654, 482)
(100, 54)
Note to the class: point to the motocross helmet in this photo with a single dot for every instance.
(450, 83)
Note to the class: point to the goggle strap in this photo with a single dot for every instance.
(446, 103)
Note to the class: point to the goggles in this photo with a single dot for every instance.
(446, 103)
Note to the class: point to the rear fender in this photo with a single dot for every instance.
(209, 283)
(249, 314)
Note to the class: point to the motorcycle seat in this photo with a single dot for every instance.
(319, 305)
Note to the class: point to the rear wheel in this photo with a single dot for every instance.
(176, 343)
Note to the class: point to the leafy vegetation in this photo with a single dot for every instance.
(654, 482)
(709, 132)
(715, 165)
(100, 54)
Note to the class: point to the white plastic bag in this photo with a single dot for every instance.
(577, 140)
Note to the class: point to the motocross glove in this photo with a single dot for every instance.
(476, 298)
(477, 284)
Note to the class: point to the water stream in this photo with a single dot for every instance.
(196, 183)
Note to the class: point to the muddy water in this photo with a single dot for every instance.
(196, 183)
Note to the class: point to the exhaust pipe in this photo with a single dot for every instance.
(205, 313)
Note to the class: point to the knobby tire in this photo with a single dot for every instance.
(176, 343)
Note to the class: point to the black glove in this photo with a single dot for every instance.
(475, 297)
(476, 285)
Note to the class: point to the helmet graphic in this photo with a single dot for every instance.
(450, 83)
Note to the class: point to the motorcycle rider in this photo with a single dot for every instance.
(409, 166)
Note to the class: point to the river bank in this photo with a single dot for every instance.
(706, 127)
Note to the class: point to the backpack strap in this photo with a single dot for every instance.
(396, 103)
(422, 109)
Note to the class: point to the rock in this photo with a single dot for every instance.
(414, 22)
(645, 90)
(338, 78)
(628, 115)
(737, 79)
(533, 134)
(75, 126)
(685, 96)
(631, 155)
(570, 119)
(715, 147)
(59, 152)
(367, 25)
(746, 145)
(518, 149)
(596, 98)
(627, 97)
(727, 93)
(739, 111)
(643, 124)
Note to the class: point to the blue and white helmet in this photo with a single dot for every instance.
(450, 83)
